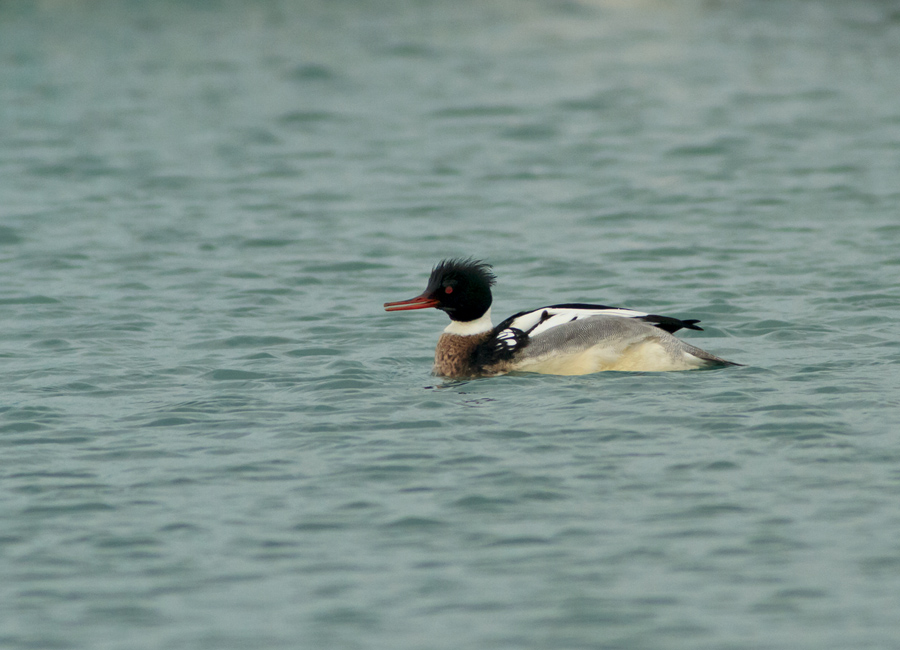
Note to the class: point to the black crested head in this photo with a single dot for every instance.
(462, 287)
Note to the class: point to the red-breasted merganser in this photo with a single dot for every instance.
(566, 339)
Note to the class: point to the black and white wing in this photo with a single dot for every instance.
(515, 333)
(539, 321)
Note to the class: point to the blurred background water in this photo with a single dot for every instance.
(213, 437)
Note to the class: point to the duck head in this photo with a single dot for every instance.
(459, 287)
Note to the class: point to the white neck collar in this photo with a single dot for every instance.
(469, 328)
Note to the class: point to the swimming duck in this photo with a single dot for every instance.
(564, 339)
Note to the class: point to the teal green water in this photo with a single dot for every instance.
(213, 437)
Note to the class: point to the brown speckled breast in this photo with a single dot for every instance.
(454, 355)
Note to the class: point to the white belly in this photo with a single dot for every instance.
(645, 356)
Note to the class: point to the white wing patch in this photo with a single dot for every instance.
(539, 321)
(507, 339)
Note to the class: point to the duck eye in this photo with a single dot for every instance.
(448, 290)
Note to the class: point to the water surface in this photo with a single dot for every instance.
(213, 437)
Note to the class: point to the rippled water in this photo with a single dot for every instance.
(213, 436)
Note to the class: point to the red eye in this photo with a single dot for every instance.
(448, 290)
